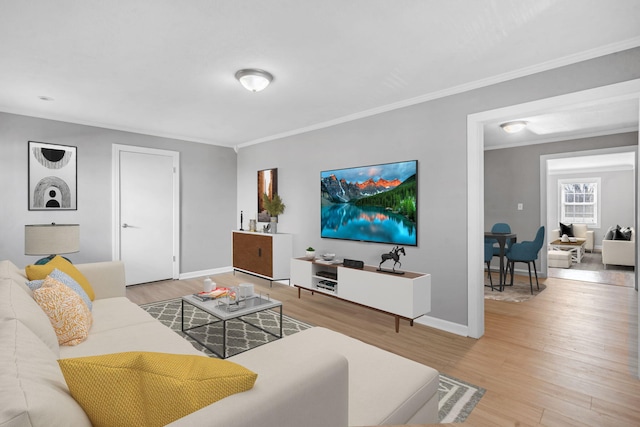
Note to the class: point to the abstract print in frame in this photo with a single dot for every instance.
(52, 177)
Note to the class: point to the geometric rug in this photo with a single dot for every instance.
(456, 398)
(240, 336)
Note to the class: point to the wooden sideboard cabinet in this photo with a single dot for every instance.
(261, 254)
(406, 296)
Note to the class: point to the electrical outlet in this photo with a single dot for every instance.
(520, 206)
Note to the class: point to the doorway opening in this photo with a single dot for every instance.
(611, 177)
(629, 90)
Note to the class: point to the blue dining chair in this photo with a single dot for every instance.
(488, 256)
(500, 227)
(527, 252)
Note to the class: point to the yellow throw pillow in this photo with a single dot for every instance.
(39, 272)
(150, 389)
(67, 312)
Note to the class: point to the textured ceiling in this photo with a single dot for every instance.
(166, 67)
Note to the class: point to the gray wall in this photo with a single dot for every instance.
(512, 176)
(434, 133)
(208, 186)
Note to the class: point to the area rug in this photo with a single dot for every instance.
(456, 398)
(519, 292)
(592, 270)
(240, 335)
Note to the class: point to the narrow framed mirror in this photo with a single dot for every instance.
(267, 184)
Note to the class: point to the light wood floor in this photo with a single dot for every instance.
(568, 357)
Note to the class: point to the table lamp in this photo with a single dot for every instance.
(51, 239)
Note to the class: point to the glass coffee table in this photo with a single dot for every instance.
(223, 312)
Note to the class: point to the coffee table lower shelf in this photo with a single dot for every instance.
(212, 308)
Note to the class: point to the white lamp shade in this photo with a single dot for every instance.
(253, 79)
(51, 239)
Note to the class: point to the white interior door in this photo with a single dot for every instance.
(145, 224)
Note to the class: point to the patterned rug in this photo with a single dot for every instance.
(241, 336)
(519, 292)
(456, 398)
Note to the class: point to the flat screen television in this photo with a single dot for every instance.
(376, 203)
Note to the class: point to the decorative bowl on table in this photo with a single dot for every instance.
(328, 257)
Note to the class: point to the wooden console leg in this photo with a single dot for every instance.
(299, 293)
(411, 322)
(397, 323)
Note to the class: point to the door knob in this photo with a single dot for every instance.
(125, 225)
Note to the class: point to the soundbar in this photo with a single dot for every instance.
(352, 263)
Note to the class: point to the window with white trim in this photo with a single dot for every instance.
(579, 201)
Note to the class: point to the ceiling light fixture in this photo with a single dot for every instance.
(513, 127)
(253, 79)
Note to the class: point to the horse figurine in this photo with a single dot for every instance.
(394, 254)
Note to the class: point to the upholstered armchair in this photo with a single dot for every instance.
(580, 232)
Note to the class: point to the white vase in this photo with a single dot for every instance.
(274, 225)
(311, 254)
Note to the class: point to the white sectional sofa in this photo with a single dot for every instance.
(313, 378)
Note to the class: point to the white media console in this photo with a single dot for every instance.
(406, 296)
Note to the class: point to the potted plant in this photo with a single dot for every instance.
(274, 207)
(311, 253)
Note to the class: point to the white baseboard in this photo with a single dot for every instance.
(522, 272)
(201, 273)
(444, 325)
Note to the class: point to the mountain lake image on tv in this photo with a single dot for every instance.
(375, 203)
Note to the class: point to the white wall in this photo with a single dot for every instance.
(434, 133)
(208, 186)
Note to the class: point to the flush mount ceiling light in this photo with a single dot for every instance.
(513, 127)
(253, 79)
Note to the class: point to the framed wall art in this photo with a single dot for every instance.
(52, 177)
(267, 184)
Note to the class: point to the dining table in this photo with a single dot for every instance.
(502, 242)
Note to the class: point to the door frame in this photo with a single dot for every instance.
(175, 199)
(544, 194)
(475, 183)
